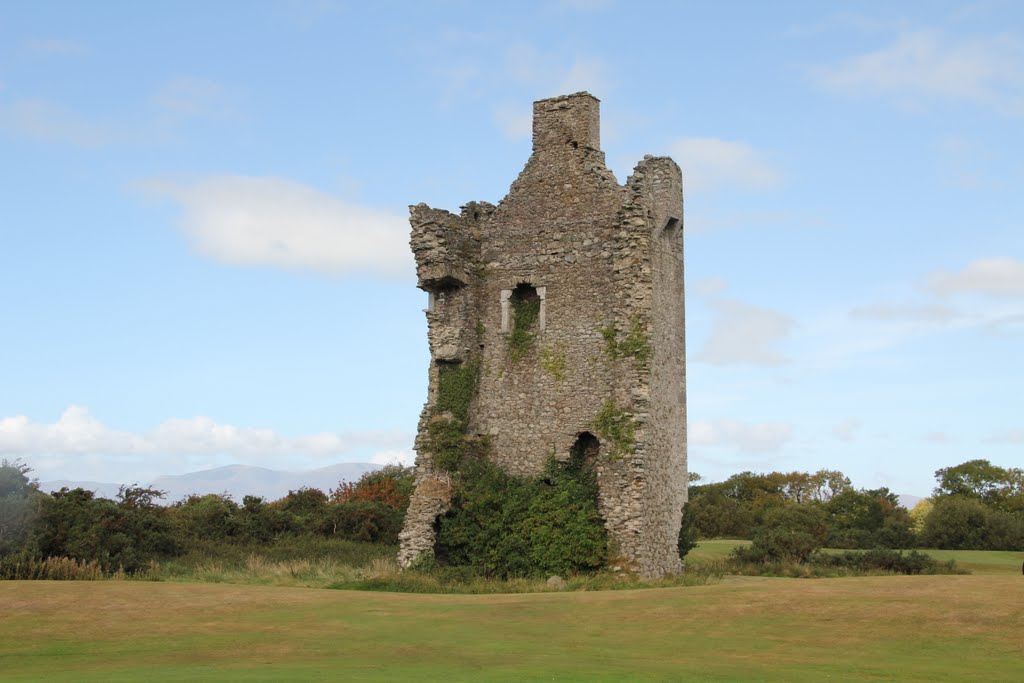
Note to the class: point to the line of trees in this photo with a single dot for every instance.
(134, 529)
(975, 505)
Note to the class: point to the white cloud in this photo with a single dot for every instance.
(847, 430)
(993, 276)
(742, 333)
(585, 73)
(515, 122)
(754, 219)
(929, 313)
(187, 97)
(545, 74)
(405, 457)
(276, 222)
(744, 436)
(1012, 436)
(925, 64)
(711, 164)
(77, 432)
(49, 122)
(938, 438)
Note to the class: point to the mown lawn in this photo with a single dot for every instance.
(924, 628)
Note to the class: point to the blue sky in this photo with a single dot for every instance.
(203, 222)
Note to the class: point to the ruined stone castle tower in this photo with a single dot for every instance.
(566, 300)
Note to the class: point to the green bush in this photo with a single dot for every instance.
(886, 560)
(687, 532)
(20, 501)
(126, 535)
(791, 533)
(506, 526)
(211, 516)
(366, 521)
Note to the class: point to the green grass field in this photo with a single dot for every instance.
(975, 561)
(923, 628)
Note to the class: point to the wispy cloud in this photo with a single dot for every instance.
(49, 122)
(1011, 436)
(56, 47)
(514, 121)
(78, 433)
(585, 5)
(998, 276)
(847, 430)
(585, 73)
(938, 438)
(545, 75)
(276, 222)
(925, 65)
(711, 164)
(406, 457)
(743, 436)
(914, 313)
(744, 334)
(728, 220)
(189, 96)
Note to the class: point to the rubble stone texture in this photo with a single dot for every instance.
(606, 263)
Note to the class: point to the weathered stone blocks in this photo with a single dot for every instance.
(605, 263)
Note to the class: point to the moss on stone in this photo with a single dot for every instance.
(616, 427)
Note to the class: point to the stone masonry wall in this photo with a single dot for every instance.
(606, 262)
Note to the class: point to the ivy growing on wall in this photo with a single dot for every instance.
(616, 427)
(446, 431)
(635, 344)
(525, 313)
(553, 361)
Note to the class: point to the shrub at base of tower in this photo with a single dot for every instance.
(506, 526)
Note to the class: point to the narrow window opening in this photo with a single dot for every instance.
(671, 227)
(440, 291)
(526, 303)
(523, 308)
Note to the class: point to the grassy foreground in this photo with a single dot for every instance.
(925, 628)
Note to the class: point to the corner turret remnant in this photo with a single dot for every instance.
(556, 327)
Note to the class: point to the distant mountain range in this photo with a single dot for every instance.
(908, 501)
(244, 480)
(235, 480)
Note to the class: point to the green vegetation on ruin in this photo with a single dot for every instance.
(616, 427)
(446, 430)
(525, 313)
(553, 362)
(635, 344)
(507, 526)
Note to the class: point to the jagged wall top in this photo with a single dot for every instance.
(567, 120)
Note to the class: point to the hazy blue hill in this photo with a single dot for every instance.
(235, 480)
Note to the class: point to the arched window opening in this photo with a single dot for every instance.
(523, 308)
(671, 228)
(585, 451)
